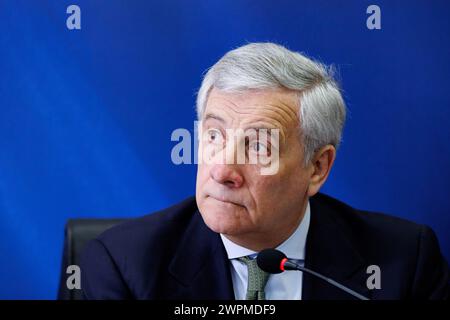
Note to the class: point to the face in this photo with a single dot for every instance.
(236, 199)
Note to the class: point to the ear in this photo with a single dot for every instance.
(321, 166)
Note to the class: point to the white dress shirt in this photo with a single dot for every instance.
(282, 286)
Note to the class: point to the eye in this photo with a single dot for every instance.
(214, 136)
(259, 148)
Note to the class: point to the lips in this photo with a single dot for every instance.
(224, 200)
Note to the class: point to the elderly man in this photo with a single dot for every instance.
(205, 247)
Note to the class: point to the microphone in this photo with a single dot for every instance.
(275, 261)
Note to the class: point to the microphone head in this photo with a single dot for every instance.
(269, 260)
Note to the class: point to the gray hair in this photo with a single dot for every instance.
(268, 65)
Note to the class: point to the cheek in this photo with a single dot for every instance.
(265, 193)
(294, 182)
(202, 175)
(271, 193)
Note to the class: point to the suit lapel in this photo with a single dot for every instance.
(331, 252)
(200, 265)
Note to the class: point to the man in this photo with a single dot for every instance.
(205, 248)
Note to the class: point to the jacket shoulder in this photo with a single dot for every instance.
(122, 262)
(406, 252)
(159, 229)
(362, 222)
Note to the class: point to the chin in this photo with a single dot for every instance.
(221, 220)
(220, 227)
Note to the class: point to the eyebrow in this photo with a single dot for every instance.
(213, 116)
(220, 119)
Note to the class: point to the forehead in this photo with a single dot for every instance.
(274, 108)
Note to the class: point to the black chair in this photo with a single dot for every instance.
(77, 233)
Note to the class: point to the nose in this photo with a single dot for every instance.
(227, 175)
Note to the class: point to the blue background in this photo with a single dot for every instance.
(86, 115)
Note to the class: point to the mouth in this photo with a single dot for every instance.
(224, 200)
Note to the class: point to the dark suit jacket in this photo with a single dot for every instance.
(172, 254)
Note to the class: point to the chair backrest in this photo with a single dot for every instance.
(77, 233)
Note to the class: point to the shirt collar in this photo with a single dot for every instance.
(293, 247)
